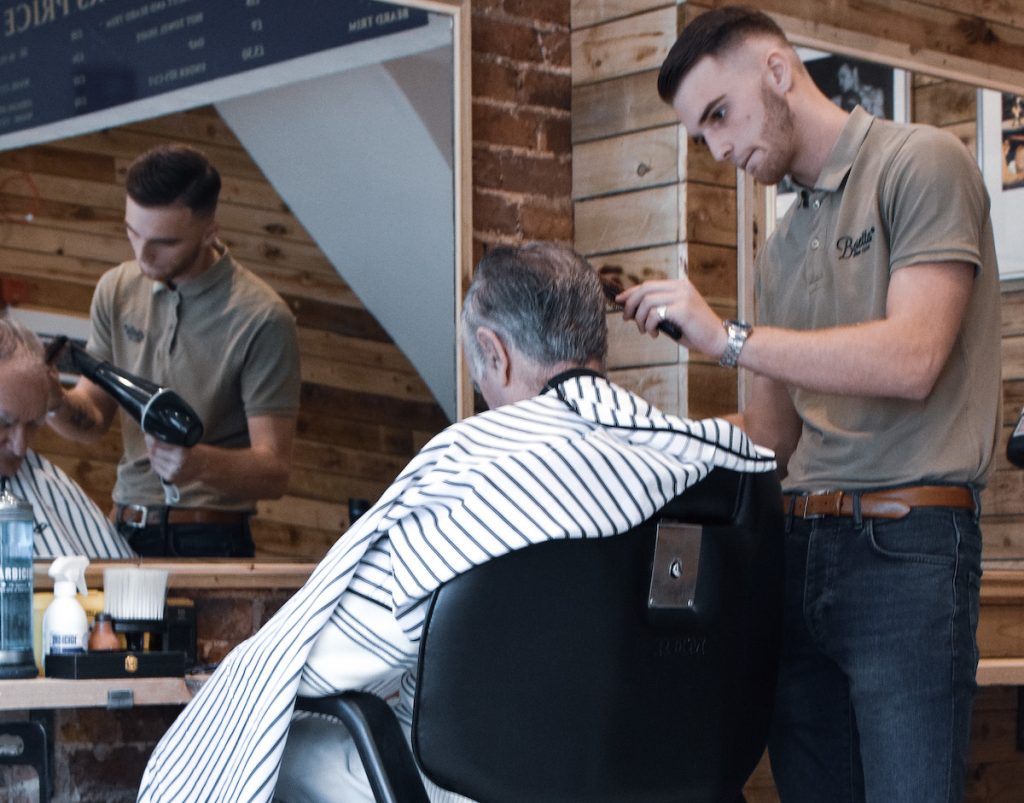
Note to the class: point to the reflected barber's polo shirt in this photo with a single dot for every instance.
(225, 341)
(889, 197)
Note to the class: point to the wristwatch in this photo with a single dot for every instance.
(738, 332)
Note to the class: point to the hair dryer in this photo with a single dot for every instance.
(160, 412)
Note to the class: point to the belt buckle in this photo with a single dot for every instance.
(823, 514)
(136, 525)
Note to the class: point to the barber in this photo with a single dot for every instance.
(876, 369)
(185, 315)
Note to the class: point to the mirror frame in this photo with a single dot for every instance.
(459, 11)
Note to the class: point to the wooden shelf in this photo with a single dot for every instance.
(224, 573)
(20, 695)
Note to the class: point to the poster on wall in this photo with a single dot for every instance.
(881, 90)
(1001, 146)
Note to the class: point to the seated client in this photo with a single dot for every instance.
(562, 453)
(67, 522)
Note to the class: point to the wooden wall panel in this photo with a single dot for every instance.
(628, 45)
(630, 162)
(617, 106)
(364, 411)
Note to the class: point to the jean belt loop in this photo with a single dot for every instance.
(976, 493)
(789, 513)
(858, 522)
(165, 528)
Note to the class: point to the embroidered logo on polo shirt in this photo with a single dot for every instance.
(849, 247)
(133, 334)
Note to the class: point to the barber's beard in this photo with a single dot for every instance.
(777, 134)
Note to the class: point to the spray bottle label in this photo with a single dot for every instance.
(65, 644)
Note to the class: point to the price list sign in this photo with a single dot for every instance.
(62, 58)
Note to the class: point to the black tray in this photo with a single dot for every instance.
(80, 666)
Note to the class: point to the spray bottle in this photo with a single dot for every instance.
(65, 628)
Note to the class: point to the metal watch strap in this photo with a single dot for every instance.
(738, 332)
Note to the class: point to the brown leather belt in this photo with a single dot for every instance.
(893, 503)
(142, 516)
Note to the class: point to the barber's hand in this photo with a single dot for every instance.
(684, 306)
(175, 464)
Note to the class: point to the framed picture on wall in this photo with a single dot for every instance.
(850, 82)
(1001, 155)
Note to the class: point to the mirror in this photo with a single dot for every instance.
(345, 187)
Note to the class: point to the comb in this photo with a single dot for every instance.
(54, 349)
(612, 289)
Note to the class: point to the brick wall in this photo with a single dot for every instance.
(522, 168)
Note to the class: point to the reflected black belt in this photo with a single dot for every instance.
(153, 516)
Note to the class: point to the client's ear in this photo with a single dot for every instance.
(496, 356)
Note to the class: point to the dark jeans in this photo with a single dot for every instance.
(190, 540)
(879, 659)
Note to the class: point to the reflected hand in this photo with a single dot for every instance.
(174, 464)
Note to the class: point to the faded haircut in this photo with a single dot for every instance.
(174, 174)
(543, 299)
(712, 34)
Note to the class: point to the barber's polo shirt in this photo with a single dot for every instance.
(224, 341)
(890, 196)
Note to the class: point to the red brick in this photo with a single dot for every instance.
(554, 12)
(494, 212)
(105, 776)
(538, 174)
(556, 47)
(495, 80)
(227, 618)
(495, 37)
(544, 88)
(495, 125)
(556, 135)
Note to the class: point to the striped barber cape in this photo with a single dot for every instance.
(585, 459)
(67, 521)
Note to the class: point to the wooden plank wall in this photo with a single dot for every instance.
(646, 200)
(364, 412)
(628, 161)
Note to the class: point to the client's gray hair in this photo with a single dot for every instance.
(543, 299)
(16, 339)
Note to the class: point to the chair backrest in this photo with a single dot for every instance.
(548, 675)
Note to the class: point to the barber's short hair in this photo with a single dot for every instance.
(17, 340)
(544, 299)
(712, 34)
(174, 174)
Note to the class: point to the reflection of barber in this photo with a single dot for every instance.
(67, 522)
(852, 92)
(186, 316)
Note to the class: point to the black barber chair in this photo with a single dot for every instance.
(632, 669)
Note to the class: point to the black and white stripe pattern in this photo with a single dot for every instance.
(67, 522)
(585, 460)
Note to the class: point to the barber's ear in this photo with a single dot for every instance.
(211, 232)
(780, 71)
(495, 354)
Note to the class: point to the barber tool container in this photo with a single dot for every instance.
(16, 536)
